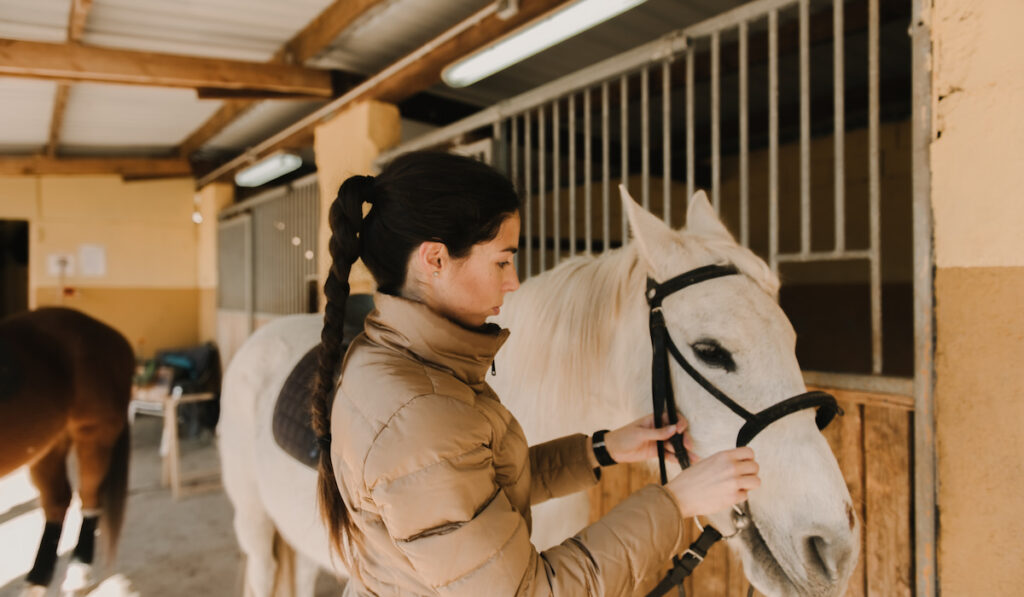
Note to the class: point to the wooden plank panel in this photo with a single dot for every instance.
(846, 437)
(73, 62)
(887, 483)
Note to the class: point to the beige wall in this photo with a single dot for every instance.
(149, 290)
(209, 201)
(976, 158)
(347, 145)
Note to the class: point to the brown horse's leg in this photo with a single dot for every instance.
(50, 476)
(94, 446)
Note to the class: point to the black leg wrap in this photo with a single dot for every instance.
(86, 547)
(46, 557)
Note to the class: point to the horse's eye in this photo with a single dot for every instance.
(713, 355)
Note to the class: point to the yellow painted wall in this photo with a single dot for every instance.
(149, 291)
(347, 145)
(211, 199)
(976, 157)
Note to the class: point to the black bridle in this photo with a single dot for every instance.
(664, 403)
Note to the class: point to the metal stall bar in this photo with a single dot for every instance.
(773, 140)
(805, 128)
(667, 45)
(744, 137)
(874, 189)
(528, 192)
(645, 137)
(925, 484)
(514, 169)
(572, 175)
(624, 143)
(556, 187)
(819, 256)
(541, 176)
(839, 118)
(588, 205)
(605, 174)
(498, 156)
(745, 12)
(689, 126)
(666, 142)
(716, 146)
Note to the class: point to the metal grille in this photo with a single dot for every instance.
(702, 105)
(234, 252)
(284, 225)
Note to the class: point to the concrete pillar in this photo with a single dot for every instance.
(347, 145)
(209, 201)
(976, 157)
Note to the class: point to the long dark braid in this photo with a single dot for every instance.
(418, 197)
(345, 218)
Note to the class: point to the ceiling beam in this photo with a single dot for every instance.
(306, 44)
(410, 75)
(78, 63)
(60, 102)
(76, 28)
(76, 22)
(131, 167)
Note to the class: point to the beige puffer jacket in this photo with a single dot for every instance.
(438, 478)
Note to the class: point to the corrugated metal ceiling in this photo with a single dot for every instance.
(105, 119)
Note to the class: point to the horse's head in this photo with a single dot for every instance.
(804, 538)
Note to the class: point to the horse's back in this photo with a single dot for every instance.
(58, 365)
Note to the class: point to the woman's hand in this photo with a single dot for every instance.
(715, 483)
(638, 441)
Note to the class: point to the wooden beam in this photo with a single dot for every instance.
(76, 28)
(72, 62)
(76, 22)
(132, 167)
(306, 44)
(57, 120)
(406, 78)
(322, 30)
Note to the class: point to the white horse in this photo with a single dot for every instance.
(578, 360)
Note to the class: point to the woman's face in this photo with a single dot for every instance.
(473, 288)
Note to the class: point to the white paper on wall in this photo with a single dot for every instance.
(60, 264)
(92, 260)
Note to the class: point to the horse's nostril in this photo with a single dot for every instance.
(851, 516)
(823, 556)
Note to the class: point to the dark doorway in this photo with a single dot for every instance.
(13, 267)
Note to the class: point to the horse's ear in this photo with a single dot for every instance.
(702, 219)
(649, 231)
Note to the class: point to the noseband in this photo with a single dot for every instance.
(664, 403)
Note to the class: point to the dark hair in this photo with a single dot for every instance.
(418, 197)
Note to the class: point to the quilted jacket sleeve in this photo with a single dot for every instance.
(560, 467)
(437, 495)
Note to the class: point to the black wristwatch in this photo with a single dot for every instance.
(601, 450)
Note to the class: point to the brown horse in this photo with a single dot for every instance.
(65, 382)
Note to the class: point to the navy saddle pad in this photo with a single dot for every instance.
(293, 430)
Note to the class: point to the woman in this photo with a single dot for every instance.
(426, 480)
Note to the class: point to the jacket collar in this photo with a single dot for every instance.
(412, 327)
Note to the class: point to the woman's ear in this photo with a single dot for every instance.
(432, 256)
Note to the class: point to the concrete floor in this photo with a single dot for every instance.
(168, 548)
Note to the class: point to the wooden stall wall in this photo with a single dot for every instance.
(872, 443)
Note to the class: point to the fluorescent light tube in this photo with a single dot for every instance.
(534, 38)
(268, 169)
